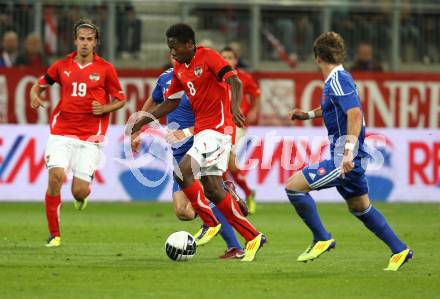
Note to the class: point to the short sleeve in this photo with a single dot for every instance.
(343, 91)
(218, 65)
(157, 94)
(175, 90)
(113, 86)
(346, 102)
(51, 76)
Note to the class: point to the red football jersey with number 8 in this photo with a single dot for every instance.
(80, 86)
(201, 80)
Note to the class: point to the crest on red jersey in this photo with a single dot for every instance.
(198, 71)
(94, 77)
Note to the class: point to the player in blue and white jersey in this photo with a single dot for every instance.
(343, 117)
(182, 120)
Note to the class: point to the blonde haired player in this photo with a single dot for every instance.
(341, 111)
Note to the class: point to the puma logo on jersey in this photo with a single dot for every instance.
(67, 73)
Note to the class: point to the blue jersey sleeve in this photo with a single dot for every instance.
(162, 85)
(157, 95)
(346, 102)
(343, 91)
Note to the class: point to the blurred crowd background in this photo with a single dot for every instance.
(381, 35)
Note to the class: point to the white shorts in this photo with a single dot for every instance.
(211, 151)
(81, 157)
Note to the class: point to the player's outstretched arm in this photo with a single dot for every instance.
(149, 105)
(179, 135)
(35, 96)
(302, 115)
(161, 110)
(236, 95)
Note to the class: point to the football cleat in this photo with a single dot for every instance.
(80, 204)
(397, 260)
(206, 233)
(251, 204)
(253, 246)
(316, 249)
(232, 253)
(230, 187)
(53, 241)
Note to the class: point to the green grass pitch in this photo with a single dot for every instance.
(116, 250)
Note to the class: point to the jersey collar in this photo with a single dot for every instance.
(197, 50)
(337, 68)
(73, 54)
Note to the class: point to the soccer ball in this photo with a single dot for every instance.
(180, 246)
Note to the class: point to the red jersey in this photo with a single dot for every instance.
(80, 86)
(250, 91)
(202, 81)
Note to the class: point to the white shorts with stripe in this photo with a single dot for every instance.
(80, 157)
(211, 150)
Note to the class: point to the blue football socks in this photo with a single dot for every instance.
(306, 208)
(227, 232)
(376, 222)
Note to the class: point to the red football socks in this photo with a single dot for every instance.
(200, 203)
(232, 213)
(53, 205)
(241, 181)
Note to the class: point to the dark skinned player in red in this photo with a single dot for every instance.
(199, 73)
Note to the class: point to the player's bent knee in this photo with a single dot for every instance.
(56, 179)
(358, 203)
(182, 207)
(297, 183)
(80, 193)
(185, 214)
